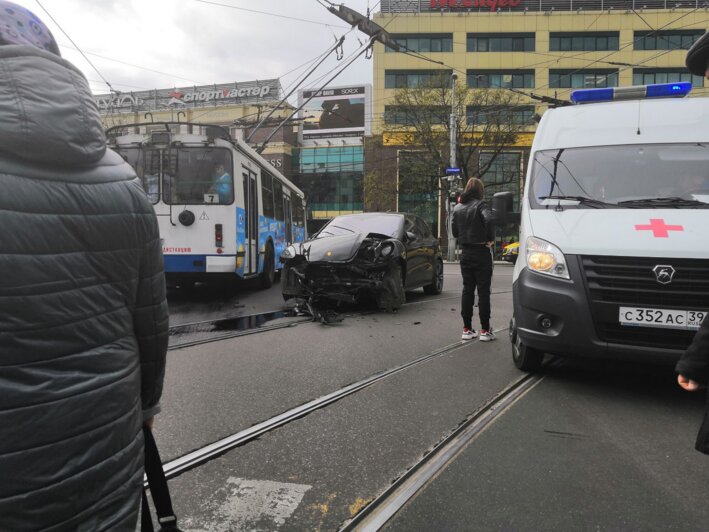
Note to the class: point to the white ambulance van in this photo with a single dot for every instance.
(614, 229)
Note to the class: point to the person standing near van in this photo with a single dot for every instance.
(83, 314)
(693, 368)
(473, 229)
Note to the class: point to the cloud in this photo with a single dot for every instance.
(184, 42)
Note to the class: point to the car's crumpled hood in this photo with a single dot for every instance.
(340, 248)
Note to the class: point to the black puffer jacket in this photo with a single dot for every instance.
(694, 365)
(472, 221)
(83, 316)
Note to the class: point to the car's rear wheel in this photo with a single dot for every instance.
(436, 286)
(392, 295)
(525, 358)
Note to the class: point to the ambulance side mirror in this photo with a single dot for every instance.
(502, 208)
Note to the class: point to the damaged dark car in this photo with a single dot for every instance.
(379, 256)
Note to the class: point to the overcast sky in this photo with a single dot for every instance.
(154, 44)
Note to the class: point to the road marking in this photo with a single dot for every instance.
(244, 504)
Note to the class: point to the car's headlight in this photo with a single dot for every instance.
(546, 258)
(386, 249)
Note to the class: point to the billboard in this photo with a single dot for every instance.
(335, 112)
(238, 93)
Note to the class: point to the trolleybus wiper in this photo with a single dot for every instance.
(660, 203)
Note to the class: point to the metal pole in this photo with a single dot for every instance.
(453, 164)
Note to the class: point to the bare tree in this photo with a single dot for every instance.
(486, 119)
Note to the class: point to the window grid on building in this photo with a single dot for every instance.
(402, 79)
(405, 116)
(666, 40)
(577, 79)
(587, 41)
(503, 175)
(517, 114)
(500, 42)
(424, 42)
(648, 76)
(331, 159)
(506, 79)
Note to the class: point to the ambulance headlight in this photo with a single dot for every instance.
(546, 258)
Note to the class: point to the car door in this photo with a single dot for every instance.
(415, 253)
(427, 250)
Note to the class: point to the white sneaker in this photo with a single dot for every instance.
(469, 334)
(487, 336)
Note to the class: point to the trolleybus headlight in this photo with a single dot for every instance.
(544, 257)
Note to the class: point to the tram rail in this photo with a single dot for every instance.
(384, 507)
(199, 457)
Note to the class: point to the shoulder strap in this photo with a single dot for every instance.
(158, 487)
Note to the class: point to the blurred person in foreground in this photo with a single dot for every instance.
(472, 226)
(83, 316)
(693, 368)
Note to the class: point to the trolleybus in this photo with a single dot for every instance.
(223, 210)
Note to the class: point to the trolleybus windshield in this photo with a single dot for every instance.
(147, 168)
(202, 175)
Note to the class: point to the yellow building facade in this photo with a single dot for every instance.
(579, 45)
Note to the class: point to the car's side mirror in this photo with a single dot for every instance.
(410, 237)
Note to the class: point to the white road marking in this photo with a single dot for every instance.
(247, 505)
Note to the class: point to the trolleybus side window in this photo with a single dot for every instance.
(203, 175)
(278, 200)
(267, 194)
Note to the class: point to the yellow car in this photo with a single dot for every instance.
(510, 252)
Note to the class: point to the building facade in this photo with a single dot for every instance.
(330, 158)
(539, 50)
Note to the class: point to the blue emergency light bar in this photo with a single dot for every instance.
(636, 92)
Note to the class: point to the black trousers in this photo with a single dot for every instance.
(476, 267)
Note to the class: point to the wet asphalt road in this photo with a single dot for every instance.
(602, 447)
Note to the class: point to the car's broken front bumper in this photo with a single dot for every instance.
(326, 280)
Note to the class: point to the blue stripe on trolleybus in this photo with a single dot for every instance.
(185, 263)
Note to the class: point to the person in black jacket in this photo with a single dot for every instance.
(693, 368)
(83, 314)
(472, 226)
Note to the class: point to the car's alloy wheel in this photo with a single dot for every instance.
(436, 287)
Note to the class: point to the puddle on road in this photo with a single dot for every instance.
(250, 322)
(237, 323)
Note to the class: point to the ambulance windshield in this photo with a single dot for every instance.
(629, 176)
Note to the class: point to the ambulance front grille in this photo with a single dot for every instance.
(630, 281)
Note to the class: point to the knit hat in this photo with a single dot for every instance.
(18, 25)
(698, 56)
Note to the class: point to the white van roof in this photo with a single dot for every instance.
(650, 121)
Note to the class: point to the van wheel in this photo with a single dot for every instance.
(268, 275)
(525, 358)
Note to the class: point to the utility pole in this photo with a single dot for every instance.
(452, 164)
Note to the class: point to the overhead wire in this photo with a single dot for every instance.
(76, 46)
(270, 14)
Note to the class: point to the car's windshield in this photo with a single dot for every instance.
(384, 224)
(629, 176)
(140, 160)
